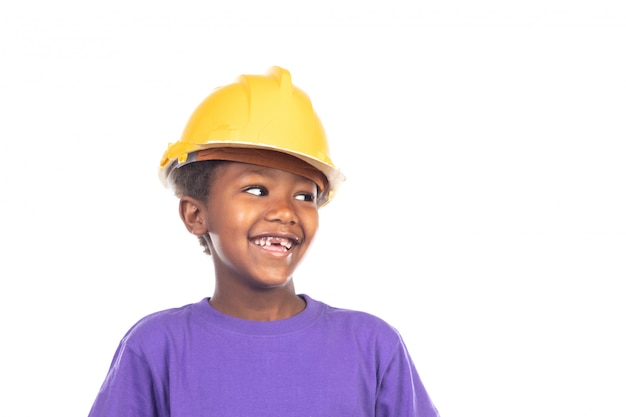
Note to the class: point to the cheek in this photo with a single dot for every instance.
(226, 216)
(239, 216)
(312, 223)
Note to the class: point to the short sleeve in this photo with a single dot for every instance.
(400, 389)
(129, 389)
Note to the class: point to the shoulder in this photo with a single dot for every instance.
(357, 323)
(161, 326)
(348, 315)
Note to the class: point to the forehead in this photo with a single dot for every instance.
(266, 158)
(234, 171)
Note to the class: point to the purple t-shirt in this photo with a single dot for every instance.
(194, 361)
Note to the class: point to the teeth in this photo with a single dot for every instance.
(267, 241)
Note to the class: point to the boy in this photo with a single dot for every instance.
(251, 171)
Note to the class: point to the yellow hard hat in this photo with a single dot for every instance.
(263, 112)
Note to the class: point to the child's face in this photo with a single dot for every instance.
(260, 222)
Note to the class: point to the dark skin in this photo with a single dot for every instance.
(259, 223)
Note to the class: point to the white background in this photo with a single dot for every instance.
(483, 215)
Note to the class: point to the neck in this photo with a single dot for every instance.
(264, 305)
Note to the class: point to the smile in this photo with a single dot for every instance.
(274, 243)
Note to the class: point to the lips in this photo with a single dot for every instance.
(275, 243)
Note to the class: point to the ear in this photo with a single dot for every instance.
(193, 214)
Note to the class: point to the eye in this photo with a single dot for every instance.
(308, 197)
(256, 190)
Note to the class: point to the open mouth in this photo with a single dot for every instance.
(275, 243)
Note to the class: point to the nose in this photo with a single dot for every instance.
(282, 210)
